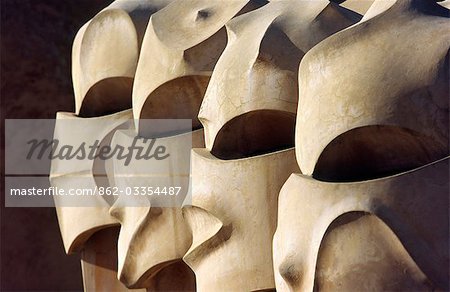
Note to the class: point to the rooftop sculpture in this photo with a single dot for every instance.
(320, 145)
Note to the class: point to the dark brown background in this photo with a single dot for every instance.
(36, 41)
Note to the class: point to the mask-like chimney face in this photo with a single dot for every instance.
(180, 49)
(152, 226)
(233, 219)
(105, 54)
(395, 98)
(409, 253)
(258, 73)
(85, 224)
(92, 215)
(375, 129)
(248, 114)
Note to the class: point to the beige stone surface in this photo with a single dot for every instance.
(386, 77)
(157, 233)
(233, 217)
(85, 223)
(99, 262)
(372, 142)
(259, 67)
(411, 232)
(378, 7)
(105, 54)
(359, 6)
(445, 3)
(78, 223)
(367, 112)
(359, 252)
(180, 49)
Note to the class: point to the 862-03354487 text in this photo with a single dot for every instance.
(102, 191)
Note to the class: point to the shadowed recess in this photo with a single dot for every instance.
(101, 248)
(101, 167)
(177, 99)
(376, 151)
(335, 18)
(255, 133)
(278, 49)
(204, 56)
(365, 250)
(252, 5)
(164, 279)
(106, 97)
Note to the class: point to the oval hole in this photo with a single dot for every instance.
(177, 99)
(106, 97)
(255, 133)
(374, 152)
